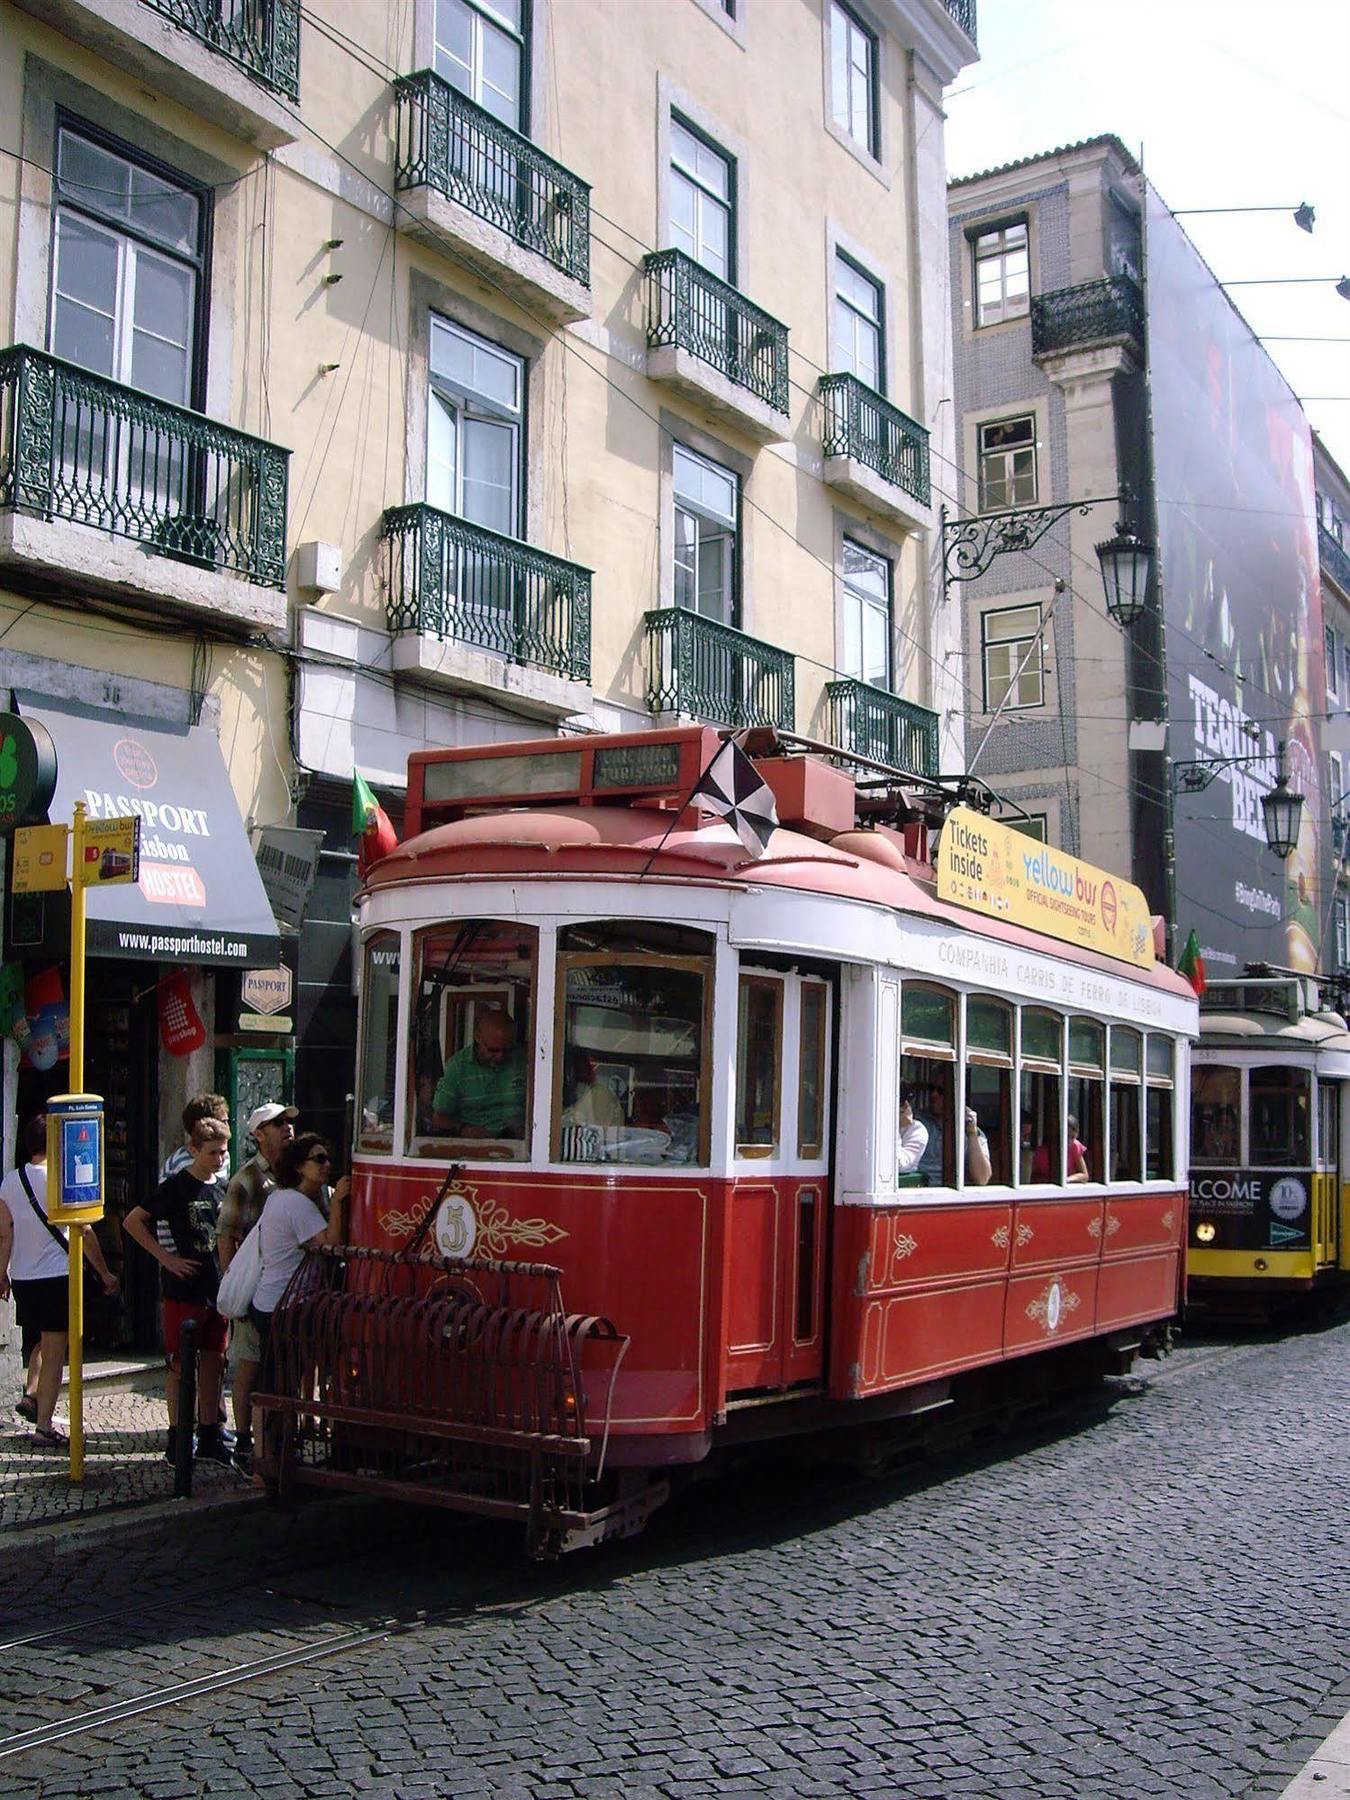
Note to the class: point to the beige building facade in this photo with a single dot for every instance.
(455, 372)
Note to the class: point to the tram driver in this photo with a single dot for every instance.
(481, 1092)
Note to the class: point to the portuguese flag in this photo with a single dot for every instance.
(370, 823)
(1192, 964)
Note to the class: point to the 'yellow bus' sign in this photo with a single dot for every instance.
(1008, 875)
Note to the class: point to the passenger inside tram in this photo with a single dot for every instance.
(914, 1136)
(481, 1092)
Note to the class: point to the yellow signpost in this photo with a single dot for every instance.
(102, 851)
(1008, 875)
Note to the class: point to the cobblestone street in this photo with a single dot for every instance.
(1149, 1600)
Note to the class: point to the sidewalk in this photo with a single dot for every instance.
(124, 1465)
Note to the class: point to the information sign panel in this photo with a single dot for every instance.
(112, 851)
(39, 865)
(75, 1158)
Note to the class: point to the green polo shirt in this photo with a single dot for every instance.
(490, 1096)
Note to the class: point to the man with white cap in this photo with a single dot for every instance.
(272, 1126)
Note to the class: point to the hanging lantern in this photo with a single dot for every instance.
(1127, 571)
(1283, 815)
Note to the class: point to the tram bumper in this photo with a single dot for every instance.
(454, 1383)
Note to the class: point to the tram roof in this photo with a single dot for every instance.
(629, 842)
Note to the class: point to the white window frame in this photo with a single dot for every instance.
(1331, 639)
(464, 404)
(684, 169)
(721, 538)
(1005, 457)
(485, 16)
(855, 597)
(990, 248)
(860, 85)
(1031, 682)
(845, 312)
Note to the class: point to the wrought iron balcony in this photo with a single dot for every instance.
(446, 141)
(261, 36)
(873, 723)
(861, 424)
(1334, 558)
(694, 310)
(449, 578)
(963, 11)
(78, 447)
(1091, 313)
(711, 671)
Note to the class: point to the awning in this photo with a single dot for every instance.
(200, 898)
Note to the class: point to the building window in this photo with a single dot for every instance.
(1333, 662)
(1336, 777)
(1006, 637)
(867, 615)
(1342, 932)
(1007, 464)
(474, 428)
(480, 49)
(1002, 274)
(702, 200)
(853, 77)
(1034, 825)
(707, 507)
(859, 324)
(127, 270)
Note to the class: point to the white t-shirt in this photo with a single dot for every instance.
(913, 1143)
(36, 1256)
(289, 1220)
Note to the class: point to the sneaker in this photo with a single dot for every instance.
(211, 1446)
(27, 1408)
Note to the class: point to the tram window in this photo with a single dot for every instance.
(759, 1044)
(989, 1080)
(933, 1082)
(1216, 1106)
(811, 1072)
(379, 1042)
(1159, 1107)
(1087, 1086)
(1042, 1151)
(632, 1044)
(1126, 1148)
(1328, 1124)
(1278, 1099)
(928, 1066)
(473, 1042)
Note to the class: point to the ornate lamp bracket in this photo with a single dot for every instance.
(969, 546)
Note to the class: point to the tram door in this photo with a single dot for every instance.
(780, 1190)
(1327, 1175)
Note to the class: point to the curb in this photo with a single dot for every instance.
(50, 1540)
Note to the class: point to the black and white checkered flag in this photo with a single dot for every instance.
(731, 787)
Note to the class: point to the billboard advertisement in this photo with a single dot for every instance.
(1242, 611)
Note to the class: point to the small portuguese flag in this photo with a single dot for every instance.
(1192, 964)
(370, 823)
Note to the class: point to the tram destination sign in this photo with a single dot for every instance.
(1006, 875)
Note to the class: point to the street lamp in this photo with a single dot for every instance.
(1281, 806)
(1342, 286)
(1127, 570)
(969, 546)
(1303, 213)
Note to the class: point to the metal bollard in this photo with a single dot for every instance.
(186, 1441)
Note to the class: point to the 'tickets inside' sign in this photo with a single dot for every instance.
(1007, 875)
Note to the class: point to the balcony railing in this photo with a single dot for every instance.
(79, 447)
(882, 726)
(711, 671)
(1334, 558)
(963, 11)
(697, 311)
(859, 423)
(1110, 308)
(449, 578)
(261, 36)
(446, 141)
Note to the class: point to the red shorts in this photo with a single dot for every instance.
(211, 1327)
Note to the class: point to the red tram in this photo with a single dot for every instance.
(614, 1070)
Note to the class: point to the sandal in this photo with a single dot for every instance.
(27, 1408)
(47, 1437)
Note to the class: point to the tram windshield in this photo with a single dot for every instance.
(473, 1035)
(632, 1044)
(1279, 1099)
(1216, 1107)
(379, 1043)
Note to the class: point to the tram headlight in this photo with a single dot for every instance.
(1204, 1232)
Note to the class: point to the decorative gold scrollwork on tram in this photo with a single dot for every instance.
(1168, 1219)
(1053, 1304)
(1112, 1224)
(1024, 1235)
(1001, 1237)
(1094, 1228)
(903, 1246)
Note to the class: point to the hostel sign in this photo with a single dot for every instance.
(1006, 875)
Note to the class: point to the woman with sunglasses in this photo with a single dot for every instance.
(292, 1221)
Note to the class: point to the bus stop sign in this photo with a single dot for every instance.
(75, 1158)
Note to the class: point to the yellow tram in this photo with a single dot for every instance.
(1269, 1183)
